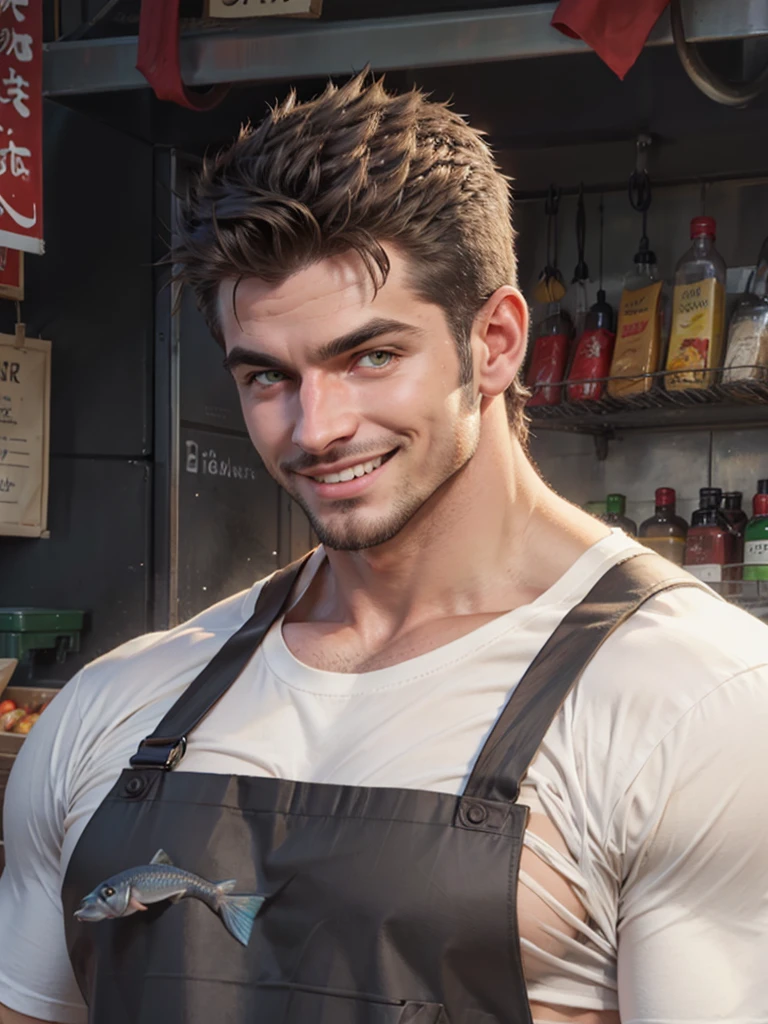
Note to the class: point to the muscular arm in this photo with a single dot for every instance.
(693, 927)
(36, 981)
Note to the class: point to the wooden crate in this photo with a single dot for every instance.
(10, 744)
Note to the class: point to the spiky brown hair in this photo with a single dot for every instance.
(352, 169)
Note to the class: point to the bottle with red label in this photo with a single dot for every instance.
(549, 359)
(710, 546)
(592, 354)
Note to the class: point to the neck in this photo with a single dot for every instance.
(494, 537)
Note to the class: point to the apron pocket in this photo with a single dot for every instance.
(294, 1004)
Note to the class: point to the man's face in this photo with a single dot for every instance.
(351, 399)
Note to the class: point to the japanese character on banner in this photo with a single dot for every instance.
(18, 44)
(12, 158)
(16, 91)
(21, 195)
(18, 7)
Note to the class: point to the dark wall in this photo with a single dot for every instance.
(91, 296)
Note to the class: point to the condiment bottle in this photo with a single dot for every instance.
(616, 505)
(756, 537)
(709, 550)
(592, 354)
(737, 519)
(698, 311)
(596, 509)
(747, 353)
(638, 329)
(549, 360)
(665, 532)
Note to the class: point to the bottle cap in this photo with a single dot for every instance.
(762, 486)
(616, 503)
(710, 497)
(703, 226)
(732, 499)
(665, 496)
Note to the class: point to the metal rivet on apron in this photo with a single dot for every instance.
(476, 814)
(135, 786)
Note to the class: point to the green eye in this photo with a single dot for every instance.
(269, 378)
(107, 891)
(376, 359)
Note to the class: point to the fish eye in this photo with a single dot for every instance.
(107, 891)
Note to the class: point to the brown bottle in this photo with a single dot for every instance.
(737, 519)
(665, 532)
(709, 552)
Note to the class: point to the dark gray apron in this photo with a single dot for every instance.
(392, 906)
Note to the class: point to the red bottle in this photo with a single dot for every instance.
(710, 551)
(549, 361)
(593, 354)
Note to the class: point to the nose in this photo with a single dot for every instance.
(325, 415)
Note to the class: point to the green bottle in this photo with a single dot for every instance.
(615, 505)
(756, 537)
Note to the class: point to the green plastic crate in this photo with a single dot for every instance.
(25, 630)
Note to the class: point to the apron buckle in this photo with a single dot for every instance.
(159, 752)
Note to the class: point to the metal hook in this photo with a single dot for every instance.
(581, 273)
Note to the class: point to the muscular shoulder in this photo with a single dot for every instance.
(660, 664)
(148, 661)
(683, 661)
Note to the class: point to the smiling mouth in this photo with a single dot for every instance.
(352, 472)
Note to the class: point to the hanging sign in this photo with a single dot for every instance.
(264, 8)
(25, 402)
(21, 125)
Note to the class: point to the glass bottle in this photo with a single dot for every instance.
(698, 311)
(746, 356)
(737, 519)
(665, 532)
(638, 328)
(549, 357)
(708, 547)
(616, 505)
(592, 354)
(756, 537)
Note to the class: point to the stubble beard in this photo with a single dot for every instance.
(354, 532)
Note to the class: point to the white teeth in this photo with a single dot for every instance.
(351, 472)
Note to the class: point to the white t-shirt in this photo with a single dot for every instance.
(654, 773)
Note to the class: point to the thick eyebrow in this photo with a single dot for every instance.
(375, 328)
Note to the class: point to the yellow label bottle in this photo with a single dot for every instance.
(698, 312)
(638, 332)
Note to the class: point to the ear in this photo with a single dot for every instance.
(500, 337)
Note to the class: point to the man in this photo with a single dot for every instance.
(347, 750)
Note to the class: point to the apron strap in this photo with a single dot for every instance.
(167, 744)
(537, 698)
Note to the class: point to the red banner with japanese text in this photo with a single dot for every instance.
(21, 125)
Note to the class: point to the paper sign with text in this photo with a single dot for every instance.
(264, 8)
(25, 402)
(21, 125)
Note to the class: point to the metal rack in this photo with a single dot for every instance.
(740, 403)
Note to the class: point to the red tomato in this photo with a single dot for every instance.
(7, 705)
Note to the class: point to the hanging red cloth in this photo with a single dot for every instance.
(615, 29)
(158, 57)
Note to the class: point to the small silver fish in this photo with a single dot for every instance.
(132, 890)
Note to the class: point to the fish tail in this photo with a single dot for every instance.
(238, 914)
